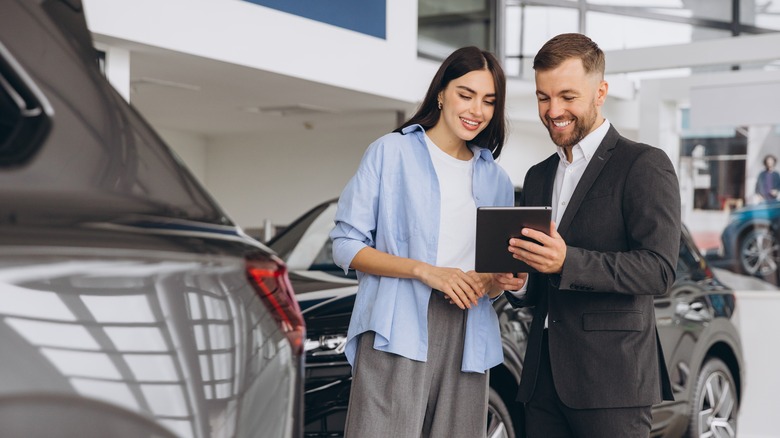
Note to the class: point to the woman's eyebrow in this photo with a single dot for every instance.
(463, 87)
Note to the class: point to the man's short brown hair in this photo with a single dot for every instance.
(570, 45)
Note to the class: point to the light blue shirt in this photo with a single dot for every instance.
(392, 203)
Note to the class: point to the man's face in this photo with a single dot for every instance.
(570, 101)
(770, 163)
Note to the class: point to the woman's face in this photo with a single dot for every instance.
(467, 104)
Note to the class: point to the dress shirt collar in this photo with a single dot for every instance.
(587, 146)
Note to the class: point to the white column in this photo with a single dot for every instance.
(117, 68)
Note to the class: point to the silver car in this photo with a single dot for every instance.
(130, 304)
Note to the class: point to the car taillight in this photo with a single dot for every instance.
(272, 284)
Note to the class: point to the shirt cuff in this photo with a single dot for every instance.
(520, 293)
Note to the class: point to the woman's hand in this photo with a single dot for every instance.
(463, 289)
(492, 289)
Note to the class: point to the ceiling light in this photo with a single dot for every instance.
(164, 83)
(288, 110)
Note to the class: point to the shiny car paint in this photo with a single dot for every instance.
(130, 304)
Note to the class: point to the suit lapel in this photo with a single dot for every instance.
(596, 164)
(549, 180)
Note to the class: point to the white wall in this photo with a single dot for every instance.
(527, 144)
(280, 175)
(191, 149)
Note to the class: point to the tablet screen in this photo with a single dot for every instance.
(496, 225)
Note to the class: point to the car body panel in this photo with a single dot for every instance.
(178, 337)
(130, 304)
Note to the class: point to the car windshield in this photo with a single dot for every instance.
(305, 244)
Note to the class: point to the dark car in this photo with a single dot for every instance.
(750, 243)
(130, 304)
(702, 347)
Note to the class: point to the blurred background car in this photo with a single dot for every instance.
(130, 304)
(701, 344)
(750, 243)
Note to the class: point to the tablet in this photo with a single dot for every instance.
(496, 225)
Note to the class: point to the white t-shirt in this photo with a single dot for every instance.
(458, 218)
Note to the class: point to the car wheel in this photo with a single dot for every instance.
(713, 410)
(759, 251)
(499, 422)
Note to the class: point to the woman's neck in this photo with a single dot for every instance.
(449, 144)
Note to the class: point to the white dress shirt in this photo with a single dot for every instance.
(568, 175)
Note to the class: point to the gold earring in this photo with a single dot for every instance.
(440, 105)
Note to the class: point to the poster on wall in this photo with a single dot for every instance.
(365, 16)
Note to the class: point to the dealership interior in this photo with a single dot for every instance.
(271, 105)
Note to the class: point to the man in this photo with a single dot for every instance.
(594, 365)
(768, 181)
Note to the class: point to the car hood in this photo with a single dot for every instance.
(764, 210)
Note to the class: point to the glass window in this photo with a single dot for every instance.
(712, 166)
(706, 9)
(440, 39)
(445, 26)
(25, 120)
(766, 14)
(542, 23)
(615, 32)
(654, 4)
(427, 8)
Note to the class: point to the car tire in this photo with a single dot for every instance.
(713, 407)
(759, 251)
(499, 422)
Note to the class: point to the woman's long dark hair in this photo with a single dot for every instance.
(460, 62)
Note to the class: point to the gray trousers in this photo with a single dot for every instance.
(393, 396)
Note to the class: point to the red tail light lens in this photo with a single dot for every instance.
(272, 284)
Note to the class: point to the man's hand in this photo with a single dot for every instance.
(509, 281)
(546, 255)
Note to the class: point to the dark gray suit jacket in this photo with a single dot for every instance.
(622, 231)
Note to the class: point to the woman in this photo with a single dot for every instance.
(406, 222)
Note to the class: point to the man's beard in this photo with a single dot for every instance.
(582, 127)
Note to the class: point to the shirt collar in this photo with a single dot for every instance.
(588, 145)
(483, 153)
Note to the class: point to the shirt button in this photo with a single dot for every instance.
(563, 202)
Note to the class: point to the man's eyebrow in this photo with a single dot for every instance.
(567, 91)
(463, 87)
